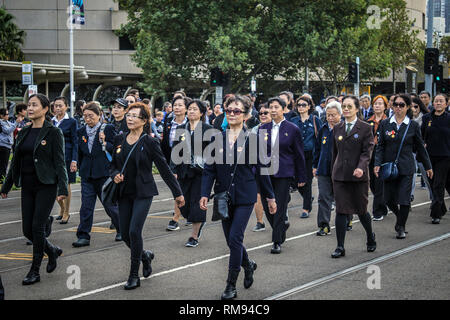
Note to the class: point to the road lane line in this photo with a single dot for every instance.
(356, 268)
(99, 290)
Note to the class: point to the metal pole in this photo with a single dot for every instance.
(307, 77)
(72, 93)
(356, 87)
(429, 77)
(4, 93)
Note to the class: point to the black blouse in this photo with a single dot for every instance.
(130, 172)
(27, 150)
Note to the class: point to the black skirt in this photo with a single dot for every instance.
(398, 191)
(191, 188)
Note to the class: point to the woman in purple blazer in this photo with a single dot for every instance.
(285, 145)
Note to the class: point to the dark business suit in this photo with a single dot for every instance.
(398, 191)
(242, 190)
(134, 208)
(289, 163)
(188, 175)
(69, 128)
(94, 171)
(352, 151)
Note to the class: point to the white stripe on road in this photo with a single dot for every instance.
(356, 268)
(92, 292)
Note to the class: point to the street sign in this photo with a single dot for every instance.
(219, 94)
(32, 89)
(253, 85)
(27, 73)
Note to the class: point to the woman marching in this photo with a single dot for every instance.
(189, 174)
(240, 180)
(69, 129)
(137, 186)
(436, 132)
(322, 166)
(379, 209)
(309, 126)
(393, 131)
(352, 148)
(39, 167)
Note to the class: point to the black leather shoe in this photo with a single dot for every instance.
(435, 221)
(132, 283)
(58, 218)
(118, 237)
(396, 229)
(147, 258)
(230, 290)
(249, 269)
(29, 243)
(31, 278)
(400, 233)
(276, 248)
(56, 252)
(81, 243)
(48, 226)
(339, 252)
(112, 226)
(372, 244)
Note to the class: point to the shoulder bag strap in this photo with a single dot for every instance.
(129, 153)
(401, 144)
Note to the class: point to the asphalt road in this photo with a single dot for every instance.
(414, 268)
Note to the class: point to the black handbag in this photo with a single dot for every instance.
(110, 188)
(222, 201)
(389, 170)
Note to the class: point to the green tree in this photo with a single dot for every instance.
(11, 38)
(444, 48)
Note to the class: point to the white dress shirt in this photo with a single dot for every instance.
(352, 124)
(405, 121)
(57, 123)
(275, 130)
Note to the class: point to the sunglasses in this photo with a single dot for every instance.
(265, 113)
(347, 106)
(415, 106)
(236, 112)
(399, 105)
(303, 105)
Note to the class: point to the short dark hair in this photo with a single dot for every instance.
(407, 100)
(354, 98)
(20, 107)
(185, 99)
(3, 112)
(45, 102)
(201, 106)
(92, 106)
(61, 98)
(421, 105)
(425, 92)
(133, 91)
(443, 95)
(276, 99)
(246, 102)
(308, 101)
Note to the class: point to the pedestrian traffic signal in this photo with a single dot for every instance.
(443, 86)
(439, 75)
(431, 60)
(353, 72)
(218, 78)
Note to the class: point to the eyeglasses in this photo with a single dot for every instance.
(88, 116)
(236, 112)
(399, 105)
(133, 116)
(347, 106)
(303, 105)
(265, 113)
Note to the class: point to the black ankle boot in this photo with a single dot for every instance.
(33, 275)
(133, 280)
(53, 252)
(371, 244)
(147, 257)
(230, 290)
(249, 268)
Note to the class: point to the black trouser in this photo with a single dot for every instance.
(341, 226)
(37, 203)
(4, 158)
(306, 190)
(401, 212)
(132, 215)
(441, 171)
(379, 208)
(280, 218)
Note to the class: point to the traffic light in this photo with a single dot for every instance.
(431, 60)
(445, 86)
(218, 78)
(439, 75)
(353, 72)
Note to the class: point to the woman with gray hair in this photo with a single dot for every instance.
(322, 166)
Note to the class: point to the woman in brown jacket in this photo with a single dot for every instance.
(352, 150)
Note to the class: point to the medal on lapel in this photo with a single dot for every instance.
(239, 149)
(340, 138)
(356, 136)
(429, 123)
(266, 136)
(118, 149)
(286, 134)
(182, 137)
(43, 142)
(84, 139)
(324, 140)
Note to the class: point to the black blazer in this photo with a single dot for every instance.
(48, 157)
(389, 142)
(148, 151)
(94, 164)
(69, 128)
(184, 170)
(244, 189)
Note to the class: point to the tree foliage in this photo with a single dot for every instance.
(178, 41)
(11, 38)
